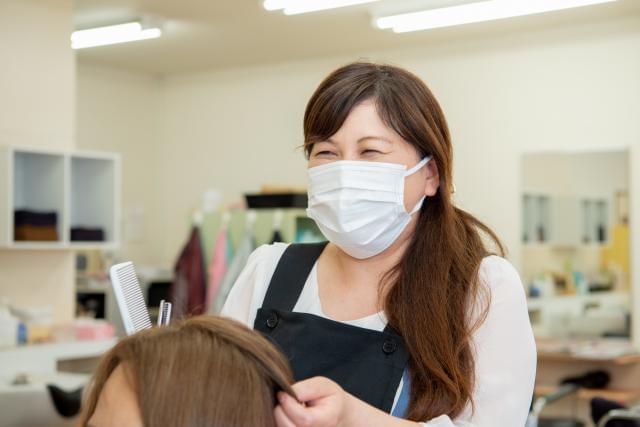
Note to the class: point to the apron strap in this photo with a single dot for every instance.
(390, 330)
(291, 274)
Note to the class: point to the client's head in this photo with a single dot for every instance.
(203, 371)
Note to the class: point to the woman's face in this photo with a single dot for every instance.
(118, 404)
(364, 136)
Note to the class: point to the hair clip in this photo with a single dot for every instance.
(164, 313)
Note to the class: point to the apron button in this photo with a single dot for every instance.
(272, 321)
(389, 346)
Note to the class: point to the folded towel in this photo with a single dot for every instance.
(87, 234)
(35, 233)
(28, 217)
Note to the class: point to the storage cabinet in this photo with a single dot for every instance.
(44, 195)
(564, 220)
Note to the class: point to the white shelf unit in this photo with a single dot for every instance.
(82, 188)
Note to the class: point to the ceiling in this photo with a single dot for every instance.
(210, 34)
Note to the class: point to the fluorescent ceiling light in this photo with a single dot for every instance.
(112, 34)
(294, 7)
(475, 12)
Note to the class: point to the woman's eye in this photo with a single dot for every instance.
(371, 152)
(324, 153)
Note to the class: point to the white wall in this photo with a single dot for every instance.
(37, 76)
(37, 108)
(118, 111)
(586, 174)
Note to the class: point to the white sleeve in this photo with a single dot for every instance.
(505, 354)
(248, 291)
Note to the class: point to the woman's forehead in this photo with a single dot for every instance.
(364, 122)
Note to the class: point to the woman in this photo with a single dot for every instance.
(205, 371)
(404, 317)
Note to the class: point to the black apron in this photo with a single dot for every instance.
(366, 363)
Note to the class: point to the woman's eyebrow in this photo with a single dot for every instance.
(373, 137)
(362, 139)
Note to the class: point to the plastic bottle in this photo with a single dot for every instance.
(8, 327)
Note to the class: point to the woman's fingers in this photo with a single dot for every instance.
(315, 388)
(323, 403)
(281, 418)
(295, 411)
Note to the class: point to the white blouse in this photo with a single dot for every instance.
(504, 344)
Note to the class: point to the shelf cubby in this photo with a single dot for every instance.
(82, 189)
(38, 186)
(94, 198)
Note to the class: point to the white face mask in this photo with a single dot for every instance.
(359, 205)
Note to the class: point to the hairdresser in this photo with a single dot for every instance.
(409, 315)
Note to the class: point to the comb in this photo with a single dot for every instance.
(126, 288)
(164, 313)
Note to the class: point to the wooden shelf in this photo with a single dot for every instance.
(87, 246)
(622, 396)
(613, 297)
(626, 359)
(36, 246)
(44, 357)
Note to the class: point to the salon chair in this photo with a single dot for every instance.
(606, 413)
(568, 387)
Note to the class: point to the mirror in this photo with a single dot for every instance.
(575, 236)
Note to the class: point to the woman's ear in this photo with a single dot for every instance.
(433, 178)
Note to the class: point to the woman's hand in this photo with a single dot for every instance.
(326, 404)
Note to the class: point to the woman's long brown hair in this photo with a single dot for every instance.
(204, 371)
(432, 291)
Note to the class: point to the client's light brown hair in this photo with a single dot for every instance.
(203, 371)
